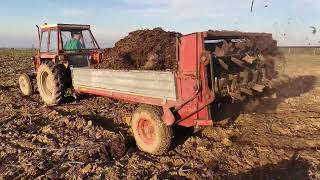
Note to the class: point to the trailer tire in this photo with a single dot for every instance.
(151, 135)
(50, 83)
(25, 84)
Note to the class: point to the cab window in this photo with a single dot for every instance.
(82, 38)
(53, 41)
(44, 42)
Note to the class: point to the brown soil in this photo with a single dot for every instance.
(277, 139)
(143, 49)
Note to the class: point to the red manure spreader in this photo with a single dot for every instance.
(211, 65)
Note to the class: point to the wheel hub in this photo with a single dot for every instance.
(146, 131)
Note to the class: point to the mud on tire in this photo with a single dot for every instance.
(151, 135)
(50, 83)
(25, 85)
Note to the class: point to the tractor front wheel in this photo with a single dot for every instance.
(25, 84)
(151, 135)
(50, 83)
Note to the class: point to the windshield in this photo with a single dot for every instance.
(75, 40)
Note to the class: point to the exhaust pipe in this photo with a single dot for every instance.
(38, 32)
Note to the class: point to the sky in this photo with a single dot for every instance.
(288, 20)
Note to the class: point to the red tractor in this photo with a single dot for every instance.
(53, 61)
(211, 65)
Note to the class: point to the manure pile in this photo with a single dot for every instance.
(143, 50)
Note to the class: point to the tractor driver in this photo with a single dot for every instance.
(74, 43)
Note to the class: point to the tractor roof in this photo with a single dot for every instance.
(65, 26)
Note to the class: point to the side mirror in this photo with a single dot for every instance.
(32, 58)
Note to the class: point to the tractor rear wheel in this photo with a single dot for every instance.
(50, 83)
(25, 84)
(151, 135)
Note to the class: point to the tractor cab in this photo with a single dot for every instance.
(68, 44)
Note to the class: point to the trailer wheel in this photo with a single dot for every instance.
(50, 83)
(25, 85)
(151, 135)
